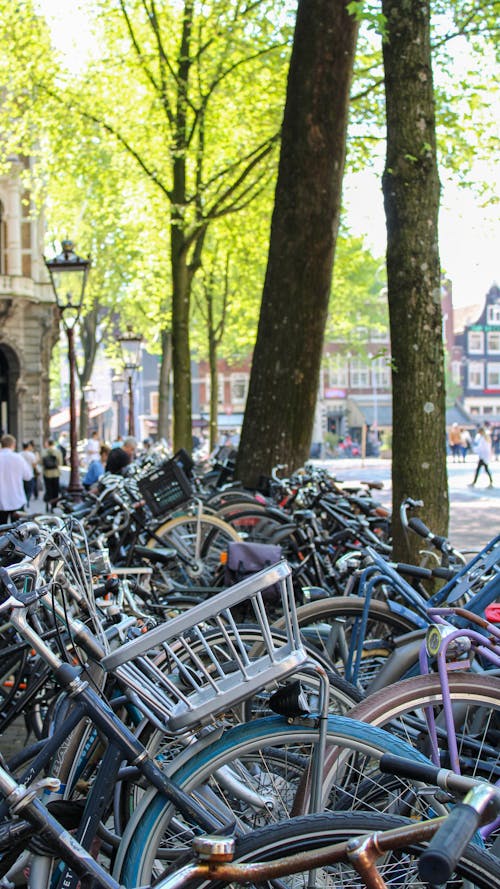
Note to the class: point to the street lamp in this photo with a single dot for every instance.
(68, 275)
(130, 344)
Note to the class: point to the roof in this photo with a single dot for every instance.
(464, 315)
(457, 414)
(454, 414)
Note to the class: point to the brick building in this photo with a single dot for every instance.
(28, 319)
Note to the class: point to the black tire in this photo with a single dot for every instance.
(329, 625)
(314, 832)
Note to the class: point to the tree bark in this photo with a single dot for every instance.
(279, 414)
(164, 386)
(411, 198)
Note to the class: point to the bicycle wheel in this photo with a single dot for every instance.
(332, 626)
(251, 774)
(397, 868)
(476, 710)
(199, 542)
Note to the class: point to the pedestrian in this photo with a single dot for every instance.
(96, 468)
(465, 443)
(119, 458)
(495, 441)
(92, 448)
(13, 472)
(62, 444)
(482, 447)
(455, 442)
(28, 454)
(52, 460)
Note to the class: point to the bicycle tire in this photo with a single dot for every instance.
(476, 868)
(383, 627)
(200, 540)
(389, 705)
(142, 839)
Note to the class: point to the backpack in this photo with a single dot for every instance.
(49, 461)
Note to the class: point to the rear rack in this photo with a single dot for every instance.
(195, 666)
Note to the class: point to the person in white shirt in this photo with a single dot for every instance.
(28, 454)
(482, 447)
(13, 472)
(92, 448)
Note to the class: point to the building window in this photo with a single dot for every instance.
(475, 375)
(221, 380)
(493, 314)
(493, 375)
(239, 388)
(337, 371)
(493, 341)
(360, 374)
(380, 373)
(476, 341)
(380, 336)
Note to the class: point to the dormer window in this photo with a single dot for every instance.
(493, 314)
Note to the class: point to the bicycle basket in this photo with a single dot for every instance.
(164, 487)
(195, 666)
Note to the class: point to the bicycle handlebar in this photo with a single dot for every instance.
(428, 773)
(438, 862)
(481, 805)
(425, 573)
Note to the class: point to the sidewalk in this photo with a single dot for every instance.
(474, 512)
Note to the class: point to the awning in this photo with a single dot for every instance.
(229, 421)
(369, 413)
(61, 418)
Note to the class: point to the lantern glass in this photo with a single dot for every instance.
(130, 344)
(68, 274)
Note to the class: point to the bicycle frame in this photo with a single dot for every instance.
(484, 647)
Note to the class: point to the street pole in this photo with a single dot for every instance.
(131, 419)
(75, 486)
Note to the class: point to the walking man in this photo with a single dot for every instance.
(482, 447)
(14, 471)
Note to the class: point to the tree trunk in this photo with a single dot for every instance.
(411, 197)
(214, 390)
(279, 414)
(164, 385)
(181, 356)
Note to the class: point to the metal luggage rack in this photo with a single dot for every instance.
(195, 666)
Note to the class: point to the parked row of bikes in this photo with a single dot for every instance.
(204, 685)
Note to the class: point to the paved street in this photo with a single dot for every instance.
(474, 512)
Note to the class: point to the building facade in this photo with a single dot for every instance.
(476, 361)
(28, 315)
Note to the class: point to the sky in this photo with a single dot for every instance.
(469, 233)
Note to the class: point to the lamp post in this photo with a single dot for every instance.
(68, 275)
(118, 386)
(130, 344)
